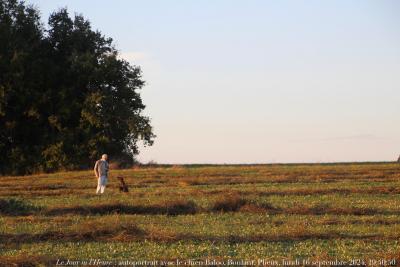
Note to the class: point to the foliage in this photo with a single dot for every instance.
(65, 95)
(15, 206)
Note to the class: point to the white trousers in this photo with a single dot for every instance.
(101, 184)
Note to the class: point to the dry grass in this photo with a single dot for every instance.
(26, 261)
(15, 207)
(88, 191)
(128, 232)
(253, 206)
(226, 203)
(322, 209)
(176, 207)
(98, 229)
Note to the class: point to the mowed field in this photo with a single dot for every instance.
(270, 212)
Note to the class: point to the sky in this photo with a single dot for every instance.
(260, 81)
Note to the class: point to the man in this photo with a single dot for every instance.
(101, 172)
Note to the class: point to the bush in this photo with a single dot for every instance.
(229, 203)
(181, 207)
(14, 206)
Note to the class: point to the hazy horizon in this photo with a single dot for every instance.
(231, 82)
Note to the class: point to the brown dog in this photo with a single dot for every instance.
(122, 185)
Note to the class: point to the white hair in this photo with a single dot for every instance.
(104, 156)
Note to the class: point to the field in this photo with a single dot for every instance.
(265, 213)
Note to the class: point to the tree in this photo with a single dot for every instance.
(65, 95)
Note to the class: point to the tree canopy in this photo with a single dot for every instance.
(65, 95)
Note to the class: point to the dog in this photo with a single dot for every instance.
(123, 187)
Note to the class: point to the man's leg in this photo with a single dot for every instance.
(98, 186)
(102, 182)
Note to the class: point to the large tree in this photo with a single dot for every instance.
(65, 95)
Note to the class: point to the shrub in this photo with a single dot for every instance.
(229, 203)
(14, 206)
(181, 207)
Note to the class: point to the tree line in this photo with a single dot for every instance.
(65, 95)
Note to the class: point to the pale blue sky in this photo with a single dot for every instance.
(260, 81)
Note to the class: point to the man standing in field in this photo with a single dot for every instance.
(101, 172)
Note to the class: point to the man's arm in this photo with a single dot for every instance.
(96, 172)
